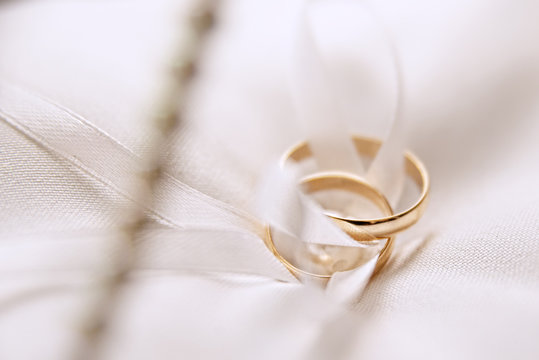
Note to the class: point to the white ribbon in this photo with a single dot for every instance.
(316, 105)
(160, 249)
(326, 132)
(387, 169)
(105, 159)
(208, 228)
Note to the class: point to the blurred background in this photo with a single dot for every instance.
(79, 84)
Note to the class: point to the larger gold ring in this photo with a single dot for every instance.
(342, 181)
(384, 226)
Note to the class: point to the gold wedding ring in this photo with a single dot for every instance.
(384, 226)
(350, 183)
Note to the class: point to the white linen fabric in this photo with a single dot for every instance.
(78, 82)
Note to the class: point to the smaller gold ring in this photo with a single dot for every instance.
(337, 180)
(388, 225)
